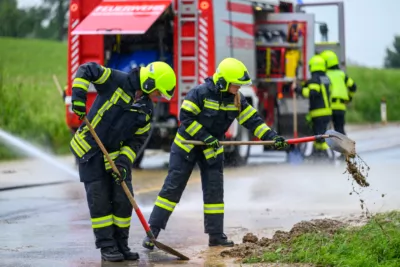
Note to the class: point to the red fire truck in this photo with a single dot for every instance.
(274, 38)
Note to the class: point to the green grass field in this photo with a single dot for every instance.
(32, 108)
(373, 84)
(30, 105)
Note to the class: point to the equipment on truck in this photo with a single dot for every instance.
(274, 38)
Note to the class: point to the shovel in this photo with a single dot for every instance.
(336, 141)
(294, 155)
(132, 200)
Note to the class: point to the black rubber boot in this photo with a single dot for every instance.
(111, 254)
(147, 242)
(129, 255)
(219, 240)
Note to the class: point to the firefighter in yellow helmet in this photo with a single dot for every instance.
(206, 114)
(317, 90)
(342, 90)
(121, 115)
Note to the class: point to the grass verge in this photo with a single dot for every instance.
(375, 244)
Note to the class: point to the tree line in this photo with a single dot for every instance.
(47, 21)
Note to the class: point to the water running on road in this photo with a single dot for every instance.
(31, 150)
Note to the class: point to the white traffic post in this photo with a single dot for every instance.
(383, 111)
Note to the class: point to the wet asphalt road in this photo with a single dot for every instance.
(50, 225)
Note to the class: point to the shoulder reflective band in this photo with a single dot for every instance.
(103, 78)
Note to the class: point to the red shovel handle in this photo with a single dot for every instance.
(142, 219)
(305, 139)
(144, 223)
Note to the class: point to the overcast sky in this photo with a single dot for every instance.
(370, 27)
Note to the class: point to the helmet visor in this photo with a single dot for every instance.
(245, 77)
(168, 94)
(244, 80)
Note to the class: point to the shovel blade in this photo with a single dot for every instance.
(341, 143)
(169, 250)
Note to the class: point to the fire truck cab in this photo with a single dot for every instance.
(274, 38)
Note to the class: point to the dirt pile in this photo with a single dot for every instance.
(253, 246)
(358, 170)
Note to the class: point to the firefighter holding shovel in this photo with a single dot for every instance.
(121, 116)
(205, 115)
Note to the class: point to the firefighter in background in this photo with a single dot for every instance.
(342, 90)
(317, 90)
(206, 114)
(121, 115)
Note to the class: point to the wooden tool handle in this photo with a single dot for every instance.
(295, 128)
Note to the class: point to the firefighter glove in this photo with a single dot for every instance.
(122, 175)
(280, 143)
(211, 141)
(79, 108)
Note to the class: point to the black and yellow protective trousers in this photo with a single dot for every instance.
(110, 209)
(180, 169)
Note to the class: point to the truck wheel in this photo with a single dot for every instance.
(240, 154)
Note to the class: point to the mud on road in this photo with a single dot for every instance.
(255, 247)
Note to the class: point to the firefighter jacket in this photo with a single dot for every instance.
(121, 122)
(206, 111)
(343, 88)
(317, 89)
